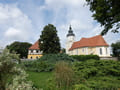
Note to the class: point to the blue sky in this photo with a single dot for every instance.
(23, 20)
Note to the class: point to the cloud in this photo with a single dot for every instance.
(24, 20)
(76, 13)
(14, 25)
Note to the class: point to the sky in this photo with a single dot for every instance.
(23, 20)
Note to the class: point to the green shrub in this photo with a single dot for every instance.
(53, 58)
(85, 57)
(98, 74)
(64, 75)
(46, 63)
(81, 87)
(38, 66)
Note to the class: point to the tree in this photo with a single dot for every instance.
(49, 41)
(116, 48)
(20, 48)
(107, 13)
(63, 50)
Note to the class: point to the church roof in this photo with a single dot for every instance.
(89, 42)
(35, 45)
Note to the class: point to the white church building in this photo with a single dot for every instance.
(95, 45)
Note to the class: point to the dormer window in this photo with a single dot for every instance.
(37, 51)
(31, 51)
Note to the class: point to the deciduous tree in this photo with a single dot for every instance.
(107, 13)
(20, 48)
(116, 48)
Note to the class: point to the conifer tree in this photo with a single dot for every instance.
(49, 40)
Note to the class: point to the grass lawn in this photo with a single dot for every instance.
(39, 79)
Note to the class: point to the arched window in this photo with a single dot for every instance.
(31, 57)
(101, 51)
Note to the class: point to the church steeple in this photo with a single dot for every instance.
(70, 32)
(70, 39)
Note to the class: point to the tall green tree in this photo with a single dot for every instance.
(49, 40)
(116, 48)
(107, 13)
(20, 48)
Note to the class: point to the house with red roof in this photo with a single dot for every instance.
(95, 45)
(34, 51)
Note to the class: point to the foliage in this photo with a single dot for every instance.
(53, 58)
(98, 73)
(20, 48)
(46, 63)
(81, 87)
(64, 76)
(6, 67)
(107, 13)
(85, 57)
(116, 48)
(11, 76)
(37, 66)
(49, 41)
(63, 50)
(20, 82)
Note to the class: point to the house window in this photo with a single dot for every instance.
(31, 57)
(101, 51)
(31, 51)
(37, 51)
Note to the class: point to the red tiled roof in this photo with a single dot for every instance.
(89, 42)
(35, 45)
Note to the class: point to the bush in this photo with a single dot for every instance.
(64, 75)
(85, 57)
(46, 63)
(53, 58)
(98, 74)
(63, 78)
(81, 87)
(37, 66)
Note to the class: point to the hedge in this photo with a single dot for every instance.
(85, 57)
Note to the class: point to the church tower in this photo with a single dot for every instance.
(70, 39)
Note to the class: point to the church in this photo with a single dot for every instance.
(95, 45)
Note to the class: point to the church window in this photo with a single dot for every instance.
(101, 51)
(106, 51)
(77, 51)
(83, 50)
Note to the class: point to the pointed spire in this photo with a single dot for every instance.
(70, 28)
(70, 32)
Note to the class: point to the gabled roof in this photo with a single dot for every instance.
(89, 42)
(35, 45)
